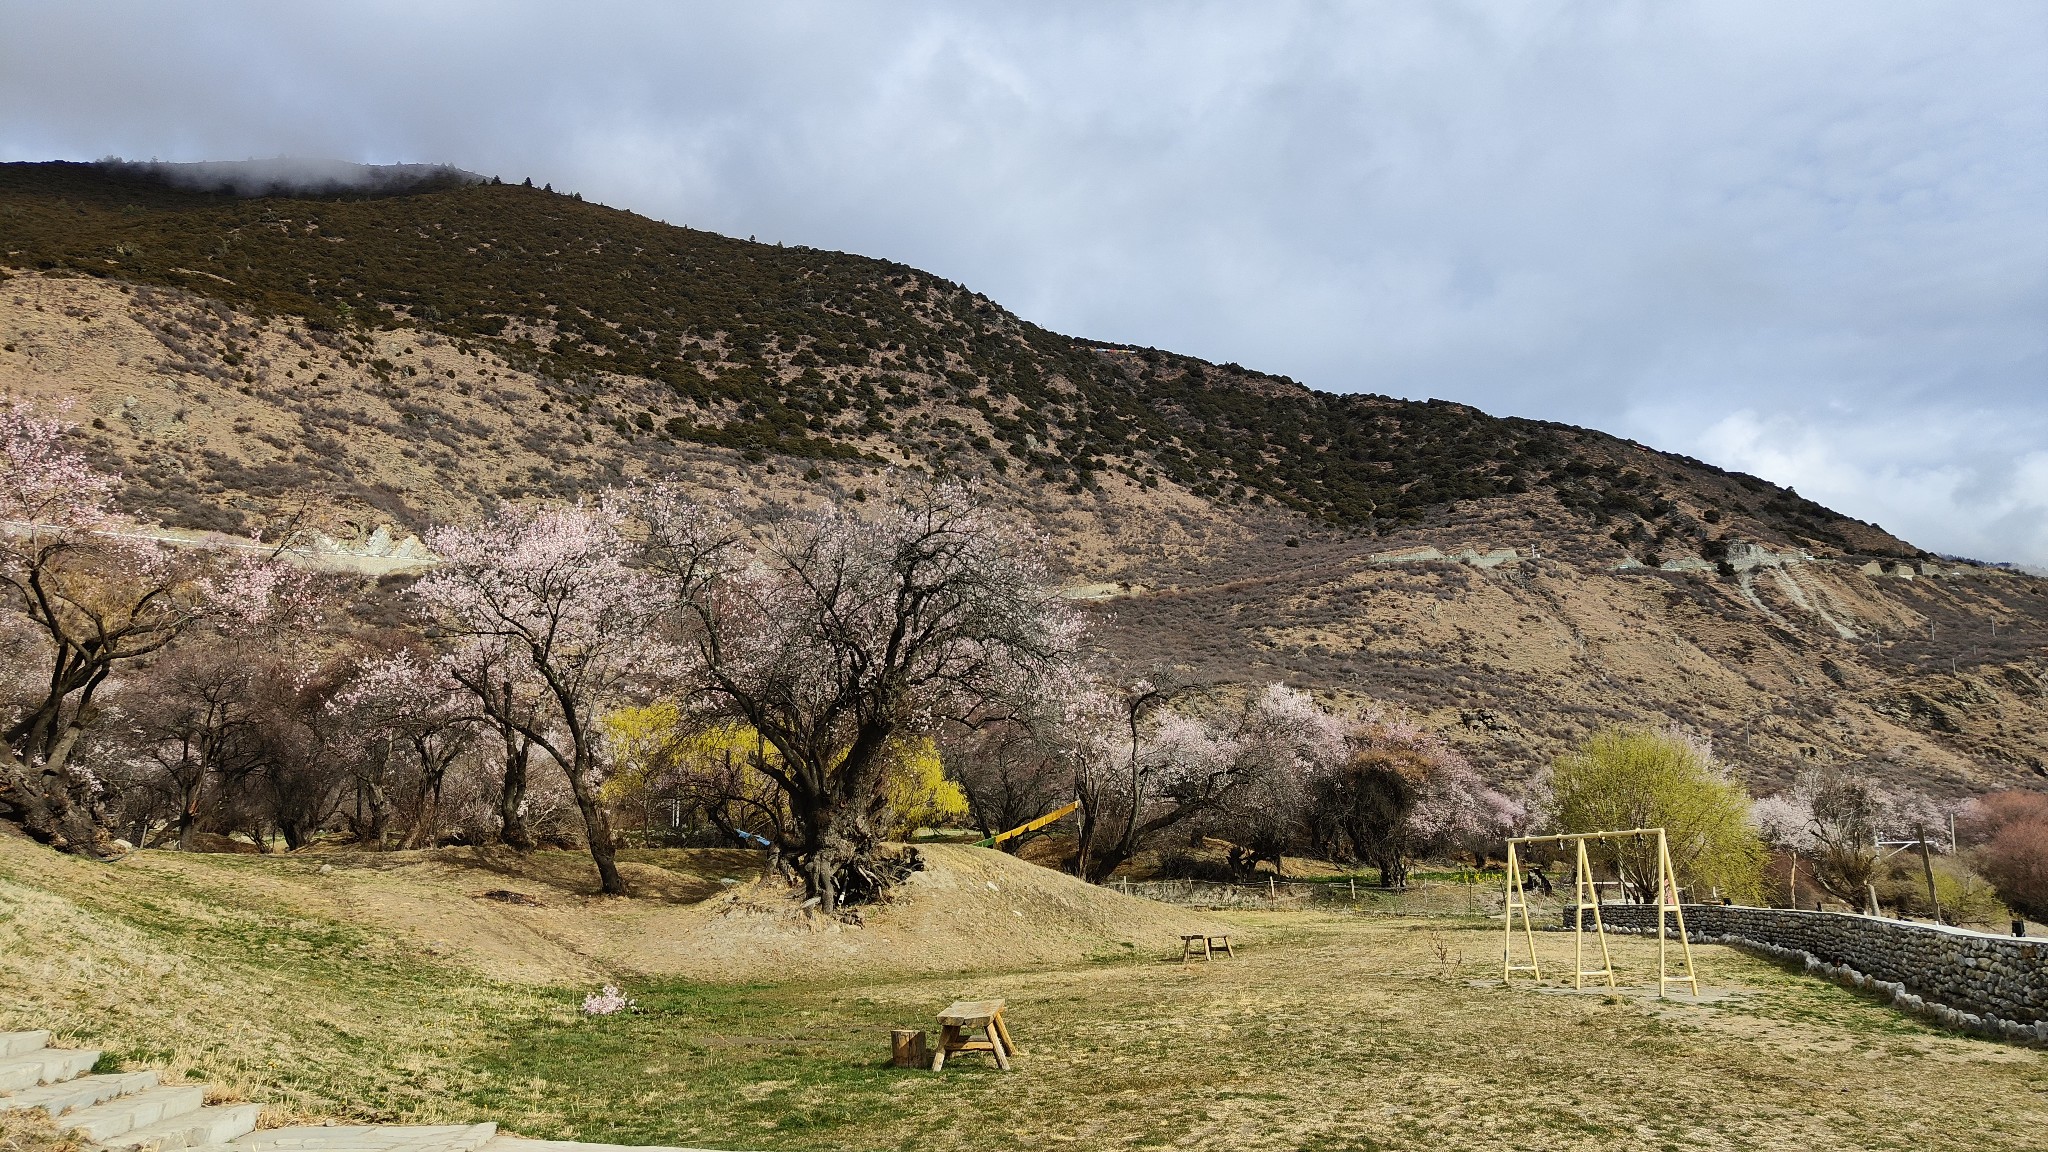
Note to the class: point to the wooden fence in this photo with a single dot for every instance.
(1475, 895)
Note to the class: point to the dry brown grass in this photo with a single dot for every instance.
(1330, 1031)
(1338, 1033)
(31, 1131)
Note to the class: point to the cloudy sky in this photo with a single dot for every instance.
(1804, 240)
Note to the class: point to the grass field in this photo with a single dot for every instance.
(1329, 1031)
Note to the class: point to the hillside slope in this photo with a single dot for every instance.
(639, 336)
(356, 362)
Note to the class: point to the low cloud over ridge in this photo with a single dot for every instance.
(293, 176)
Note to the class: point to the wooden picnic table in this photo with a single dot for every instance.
(1204, 944)
(960, 1019)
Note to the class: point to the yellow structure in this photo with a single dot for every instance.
(1586, 898)
(1031, 826)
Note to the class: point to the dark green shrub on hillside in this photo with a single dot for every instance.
(630, 296)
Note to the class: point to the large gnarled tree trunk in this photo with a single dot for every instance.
(836, 634)
(52, 804)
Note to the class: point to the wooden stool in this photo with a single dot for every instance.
(1206, 943)
(962, 1017)
(907, 1047)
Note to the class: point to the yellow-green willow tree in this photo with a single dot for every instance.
(1621, 779)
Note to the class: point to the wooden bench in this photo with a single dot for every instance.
(962, 1018)
(1205, 945)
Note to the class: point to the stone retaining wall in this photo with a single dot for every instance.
(1996, 985)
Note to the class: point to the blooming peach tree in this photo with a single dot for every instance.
(1148, 760)
(410, 712)
(87, 596)
(549, 625)
(836, 636)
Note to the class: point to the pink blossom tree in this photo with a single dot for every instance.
(1299, 741)
(1240, 770)
(1102, 731)
(510, 704)
(90, 599)
(1455, 808)
(2009, 831)
(834, 637)
(1837, 816)
(411, 709)
(1403, 791)
(547, 595)
(212, 714)
(200, 718)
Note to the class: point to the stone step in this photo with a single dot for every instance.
(207, 1126)
(22, 1043)
(370, 1138)
(45, 1066)
(102, 1122)
(83, 1092)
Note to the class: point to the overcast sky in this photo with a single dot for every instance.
(1804, 240)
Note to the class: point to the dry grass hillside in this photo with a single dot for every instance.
(1789, 658)
(1789, 663)
(701, 914)
(320, 437)
(366, 367)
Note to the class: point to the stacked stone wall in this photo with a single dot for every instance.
(1996, 985)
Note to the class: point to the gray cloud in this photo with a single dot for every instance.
(294, 175)
(1806, 240)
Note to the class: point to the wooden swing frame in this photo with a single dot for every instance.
(1586, 898)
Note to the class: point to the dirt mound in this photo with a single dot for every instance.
(536, 918)
(968, 908)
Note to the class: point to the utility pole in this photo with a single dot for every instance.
(1927, 865)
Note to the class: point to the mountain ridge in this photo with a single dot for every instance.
(411, 358)
(820, 347)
